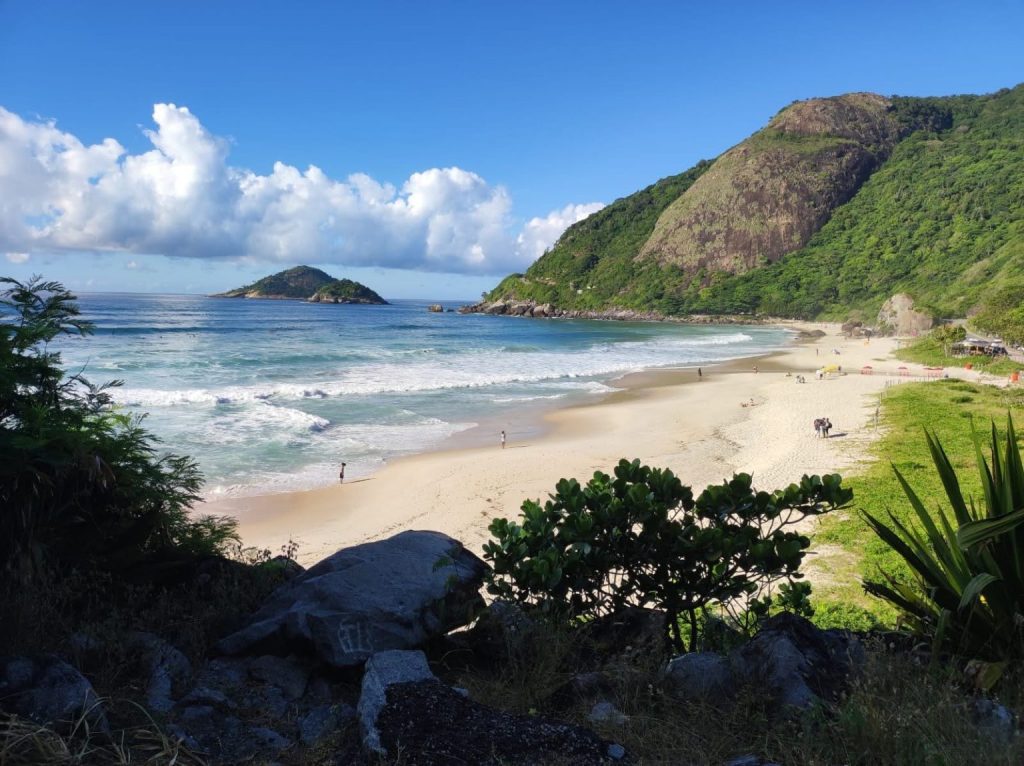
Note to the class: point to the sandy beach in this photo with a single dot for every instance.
(705, 429)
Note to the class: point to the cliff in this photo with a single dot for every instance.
(830, 209)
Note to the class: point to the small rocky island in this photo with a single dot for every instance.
(307, 284)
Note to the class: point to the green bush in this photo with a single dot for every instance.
(641, 538)
(81, 483)
(968, 597)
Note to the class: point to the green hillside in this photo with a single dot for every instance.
(865, 198)
(297, 283)
(942, 220)
(346, 291)
(306, 283)
(593, 264)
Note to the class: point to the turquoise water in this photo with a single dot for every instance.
(272, 395)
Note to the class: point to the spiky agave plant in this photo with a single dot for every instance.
(969, 594)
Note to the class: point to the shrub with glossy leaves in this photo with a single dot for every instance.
(641, 538)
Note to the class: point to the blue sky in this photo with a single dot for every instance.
(453, 140)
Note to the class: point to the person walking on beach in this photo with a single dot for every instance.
(503, 440)
(341, 474)
(755, 369)
(699, 373)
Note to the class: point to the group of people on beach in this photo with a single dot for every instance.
(822, 426)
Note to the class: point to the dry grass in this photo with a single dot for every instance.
(26, 743)
(897, 712)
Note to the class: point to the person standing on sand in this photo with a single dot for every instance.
(699, 373)
(503, 440)
(755, 369)
(341, 474)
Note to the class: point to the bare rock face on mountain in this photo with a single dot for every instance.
(391, 594)
(766, 196)
(899, 317)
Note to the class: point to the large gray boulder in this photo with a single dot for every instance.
(701, 676)
(790, 661)
(899, 317)
(391, 594)
(49, 691)
(796, 664)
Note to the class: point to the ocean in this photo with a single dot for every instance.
(272, 396)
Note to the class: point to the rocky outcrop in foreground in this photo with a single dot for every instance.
(353, 662)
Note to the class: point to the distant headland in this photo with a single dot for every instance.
(305, 283)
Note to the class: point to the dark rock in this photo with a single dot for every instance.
(703, 676)
(749, 760)
(632, 637)
(605, 713)
(169, 671)
(268, 739)
(797, 664)
(226, 739)
(197, 714)
(323, 721)
(391, 594)
(207, 697)
(583, 685)
(383, 670)
(286, 674)
(49, 691)
(499, 630)
(432, 725)
(995, 720)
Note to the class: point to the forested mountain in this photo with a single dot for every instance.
(297, 283)
(306, 283)
(830, 209)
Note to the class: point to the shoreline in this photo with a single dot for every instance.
(666, 418)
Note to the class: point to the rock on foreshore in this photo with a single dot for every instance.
(547, 311)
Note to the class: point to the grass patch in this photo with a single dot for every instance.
(931, 352)
(907, 410)
(898, 711)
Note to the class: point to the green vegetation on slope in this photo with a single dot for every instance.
(1002, 312)
(346, 291)
(766, 196)
(299, 283)
(942, 220)
(592, 266)
(948, 407)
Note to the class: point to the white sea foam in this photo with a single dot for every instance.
(458, 371)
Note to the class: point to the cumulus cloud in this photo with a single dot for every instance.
(539, 234)
(183, 199)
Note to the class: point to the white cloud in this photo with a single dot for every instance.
(17, 257)
(538, 234)
(182, 199)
